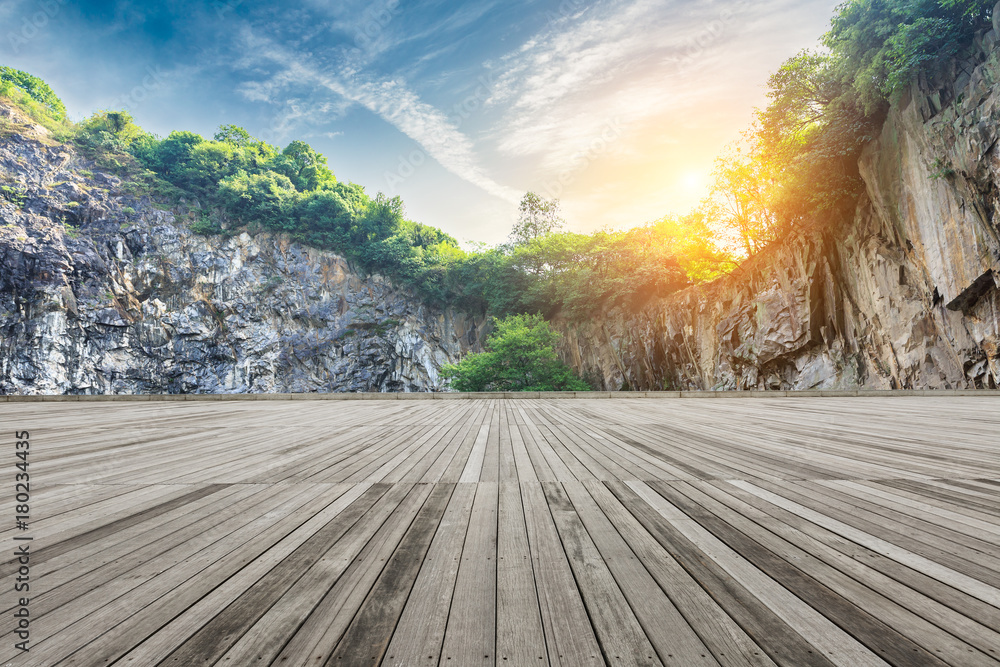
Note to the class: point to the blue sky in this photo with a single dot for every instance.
(616, 107)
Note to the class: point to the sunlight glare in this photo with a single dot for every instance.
(693, 180)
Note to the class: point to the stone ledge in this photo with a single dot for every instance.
(859, 393)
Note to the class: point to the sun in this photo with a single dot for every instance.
(693, 180)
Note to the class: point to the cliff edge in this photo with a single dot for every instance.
(903, 296)
(106, 292)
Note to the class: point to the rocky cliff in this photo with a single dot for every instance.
(105, 292)
(905, 296)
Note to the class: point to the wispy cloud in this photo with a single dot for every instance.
(674, 80)
(389, 98)
(618, 61)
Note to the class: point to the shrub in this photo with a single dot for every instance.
(520, 356)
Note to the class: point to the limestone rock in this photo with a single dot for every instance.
(906, 296)
(97, 299)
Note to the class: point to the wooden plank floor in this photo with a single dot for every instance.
(735, 532)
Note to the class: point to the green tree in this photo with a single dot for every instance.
(256, 151)
(113, 131)
(537, 217)
(880, 44)
(235, 135)
(326, 217)
(691, 240)
(809, 139)
(265, 199)
(36, 89)
(172, 154)
(739, 199)
(381, 219)
(520, 356)
(306, 168)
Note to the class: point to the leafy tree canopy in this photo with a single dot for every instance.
(537, 217)
(878, 45)
(245, 183)
(520, 356)
(304, 166)
(36, 89)
(797, 166)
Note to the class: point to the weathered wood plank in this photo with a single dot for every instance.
(922, 619)
(661, 622)
(520, 638)
(369, 634)
(417, 638)
(322, 630)
(569, 635)
(799, 575)
(224, 629)
(725, 531)
(471, 635)
(764, 626)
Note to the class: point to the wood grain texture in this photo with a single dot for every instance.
(499, 531)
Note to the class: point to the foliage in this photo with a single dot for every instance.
(205, 226)
(879, 45)
(740, 199)
(35, 88)
(520, 356)
(13, 195)
(34, 97)
(797, 166)
(303, 166)
(810, 138)
(575, 274)
(110, 132)
(696, 245)
(537, 217)
(242, 182)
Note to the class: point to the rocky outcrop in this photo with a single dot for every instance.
(905, 296)
(105, 292)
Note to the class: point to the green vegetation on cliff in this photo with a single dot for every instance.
(37, 100)
(34, 88)
(879, 45)
(520, 356)
(250, 185)
(795, 168)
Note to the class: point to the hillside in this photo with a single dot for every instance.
(858, 218)
(905, 295)
(102, 291)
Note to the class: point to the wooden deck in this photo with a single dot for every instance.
(802, 532)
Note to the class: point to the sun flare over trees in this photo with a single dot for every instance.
(794, 170)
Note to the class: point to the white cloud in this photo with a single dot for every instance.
(631, 63)
(390, 99)
(620, 60)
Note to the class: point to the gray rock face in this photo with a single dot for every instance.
(906, 296)
(101, 292)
